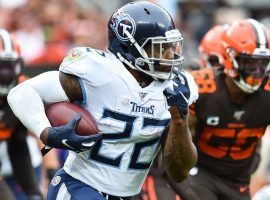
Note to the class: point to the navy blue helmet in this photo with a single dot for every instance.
(140, 34)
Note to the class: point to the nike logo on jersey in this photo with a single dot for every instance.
(64, 142)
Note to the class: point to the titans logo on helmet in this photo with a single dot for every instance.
(122, 22)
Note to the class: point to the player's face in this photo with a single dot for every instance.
(252, 68)
(8, 71)
(165, 52)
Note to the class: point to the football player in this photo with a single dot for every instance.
(11, 129)
(210, 49)
(139, 96)
(230, 116)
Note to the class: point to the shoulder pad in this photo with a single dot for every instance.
(74, 55)
(205, 80)
(94, 66)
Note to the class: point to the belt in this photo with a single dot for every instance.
(111, 197)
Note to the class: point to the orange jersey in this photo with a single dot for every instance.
(227, 134)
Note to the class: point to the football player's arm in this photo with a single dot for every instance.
(192, 122)
(179, 152)
(27, 99)
(72, 88)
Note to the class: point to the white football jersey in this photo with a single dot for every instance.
(131, 119)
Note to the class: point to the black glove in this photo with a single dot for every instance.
(180, 94)
(65, 137)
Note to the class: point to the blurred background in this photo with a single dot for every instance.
(48, 29)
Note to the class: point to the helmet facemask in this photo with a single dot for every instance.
(158, 55)
(11, 62)
(251, 70)
(10, 69)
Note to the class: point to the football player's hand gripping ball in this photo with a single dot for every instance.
(180, 93)
(65, 137)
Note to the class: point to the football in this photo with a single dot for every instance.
(62, 112)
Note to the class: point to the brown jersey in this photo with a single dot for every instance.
(227, 134)
(8, 121)
(9, 124)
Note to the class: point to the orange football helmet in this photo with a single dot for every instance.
(247, 53)
(211, 51)
(10, 61)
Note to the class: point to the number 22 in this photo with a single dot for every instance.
(125, 134)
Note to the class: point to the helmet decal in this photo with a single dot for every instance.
(122, 22)
(261, 37)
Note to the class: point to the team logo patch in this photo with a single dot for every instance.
(56, 180)
(122, 23)
(75, 54)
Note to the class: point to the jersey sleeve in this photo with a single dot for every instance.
(194, 95)
(88, 64)
(205, 80)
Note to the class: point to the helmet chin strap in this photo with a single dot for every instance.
(122, 59)
(140, 50)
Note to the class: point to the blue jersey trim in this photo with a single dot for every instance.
(83, 103)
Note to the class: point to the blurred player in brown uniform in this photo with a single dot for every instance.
(10, 127)
(230, 116)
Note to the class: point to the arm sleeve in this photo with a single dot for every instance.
(27, 100)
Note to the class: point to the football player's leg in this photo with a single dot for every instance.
(5, 192)
(198, 186)
(163, 191)
(155, 188)
(65, 187)
(21, 163)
